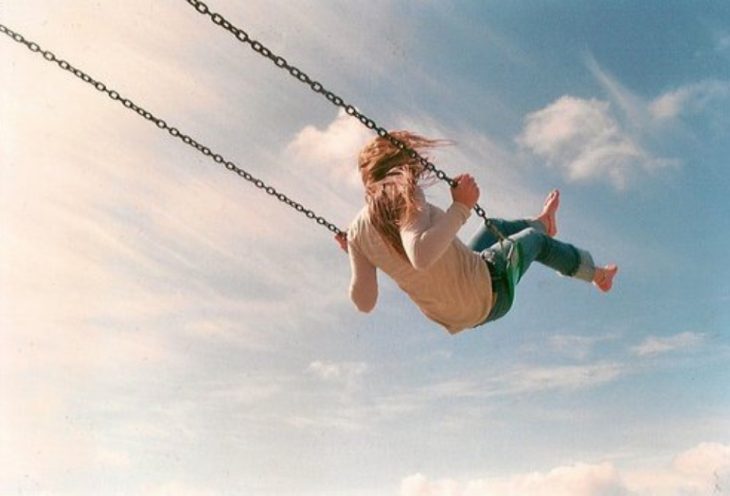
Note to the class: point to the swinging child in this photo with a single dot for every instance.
(456, 285)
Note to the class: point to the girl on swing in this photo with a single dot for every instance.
(456, 285)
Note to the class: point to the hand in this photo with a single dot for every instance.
(466, 190)
(342, 241)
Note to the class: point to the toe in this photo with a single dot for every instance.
(551, 202)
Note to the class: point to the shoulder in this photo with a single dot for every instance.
(425, 211)
(359, 225)
(362, 218)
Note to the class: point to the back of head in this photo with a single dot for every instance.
(390, 176)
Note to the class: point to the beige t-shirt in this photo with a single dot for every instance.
(449, 282)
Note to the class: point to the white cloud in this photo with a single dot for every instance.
(176, 488)
(333, 150)
(699, 471)
(566, 378)
(654, 345)
(689, 99)
(583, 139)
(345, 372)
(419, 485)
(578, 347)
(615, 139)
(703, 459)
(571, 480)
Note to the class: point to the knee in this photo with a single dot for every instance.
(538, 241)
(535, 234)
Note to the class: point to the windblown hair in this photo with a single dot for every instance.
(390, 176)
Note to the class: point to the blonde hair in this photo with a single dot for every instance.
(390, 175)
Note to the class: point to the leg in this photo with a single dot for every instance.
(545, 222)
(483, 239)
(534, 245)
(563, 257)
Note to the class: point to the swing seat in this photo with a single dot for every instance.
(513, 269)
(508, 263)
(508, 267)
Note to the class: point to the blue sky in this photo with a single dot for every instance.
(168, 329)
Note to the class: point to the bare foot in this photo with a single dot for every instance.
(603, 278)
(549, 209)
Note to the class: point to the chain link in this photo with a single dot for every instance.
(174, 132)
(350, 109)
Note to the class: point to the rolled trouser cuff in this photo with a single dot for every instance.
(586, 268)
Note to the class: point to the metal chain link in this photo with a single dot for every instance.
(350, 109)
(173, 131)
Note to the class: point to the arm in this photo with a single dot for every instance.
(425, 243)
(364, 282)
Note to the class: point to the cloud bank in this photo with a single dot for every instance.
(702, 470)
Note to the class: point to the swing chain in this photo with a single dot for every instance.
(173, 131)
(351, 110)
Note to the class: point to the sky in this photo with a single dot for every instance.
(168, 329)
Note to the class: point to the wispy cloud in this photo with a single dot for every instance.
(127, 257)
(575, 346)
(565, 378)
(632, 108)
(353, 412)
(592, 139)
(656, 345)
(689, 99)
(523, 380)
